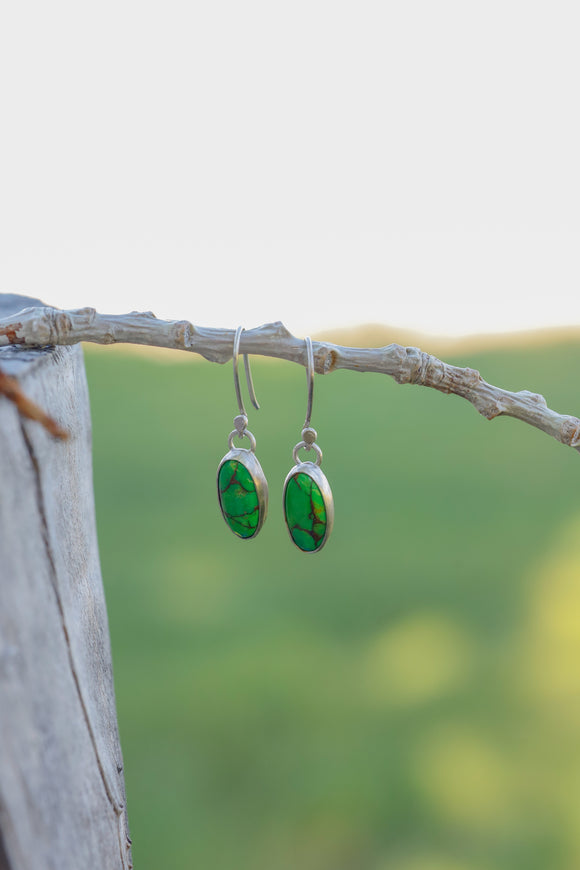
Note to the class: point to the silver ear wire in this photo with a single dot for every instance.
(309, 379)
(309, 435)
(249, 381)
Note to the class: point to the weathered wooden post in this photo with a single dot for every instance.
(62, 794)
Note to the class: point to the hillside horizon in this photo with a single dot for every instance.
(380, 335)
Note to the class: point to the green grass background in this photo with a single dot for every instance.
(409, 698)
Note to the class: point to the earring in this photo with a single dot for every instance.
(241, 483)
(308, 502)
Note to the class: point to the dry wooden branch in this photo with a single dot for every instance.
(407, 365)
(10, 388)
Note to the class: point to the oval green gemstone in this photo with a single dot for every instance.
(305, 512)
(238, 498)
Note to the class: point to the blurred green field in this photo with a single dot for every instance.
(408, 699)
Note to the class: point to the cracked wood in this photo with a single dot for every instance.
(62, 793)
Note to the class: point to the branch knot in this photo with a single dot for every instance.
(38, 326)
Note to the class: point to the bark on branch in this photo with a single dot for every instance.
(35, 327)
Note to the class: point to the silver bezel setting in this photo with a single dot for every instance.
(248, 459)
(318, 476)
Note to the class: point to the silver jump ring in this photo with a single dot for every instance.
(245, 434)
(315, 447)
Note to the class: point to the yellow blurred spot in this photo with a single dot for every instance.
(321, 842)
(547, 674)
(428, 862)
(417, 660)
(465, 779)
(552, 644)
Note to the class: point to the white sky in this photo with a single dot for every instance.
(322, 163)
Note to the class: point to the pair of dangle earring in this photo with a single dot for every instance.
(242, 485)
(241, 482)
(308, 502)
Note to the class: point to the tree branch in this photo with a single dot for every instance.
(407, 365)
(10, 388)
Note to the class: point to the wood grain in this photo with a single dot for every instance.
(62, 793)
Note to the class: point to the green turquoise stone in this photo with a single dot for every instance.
(238, 498)
(305, 512)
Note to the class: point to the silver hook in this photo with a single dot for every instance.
(249, 381)
(310, 379)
